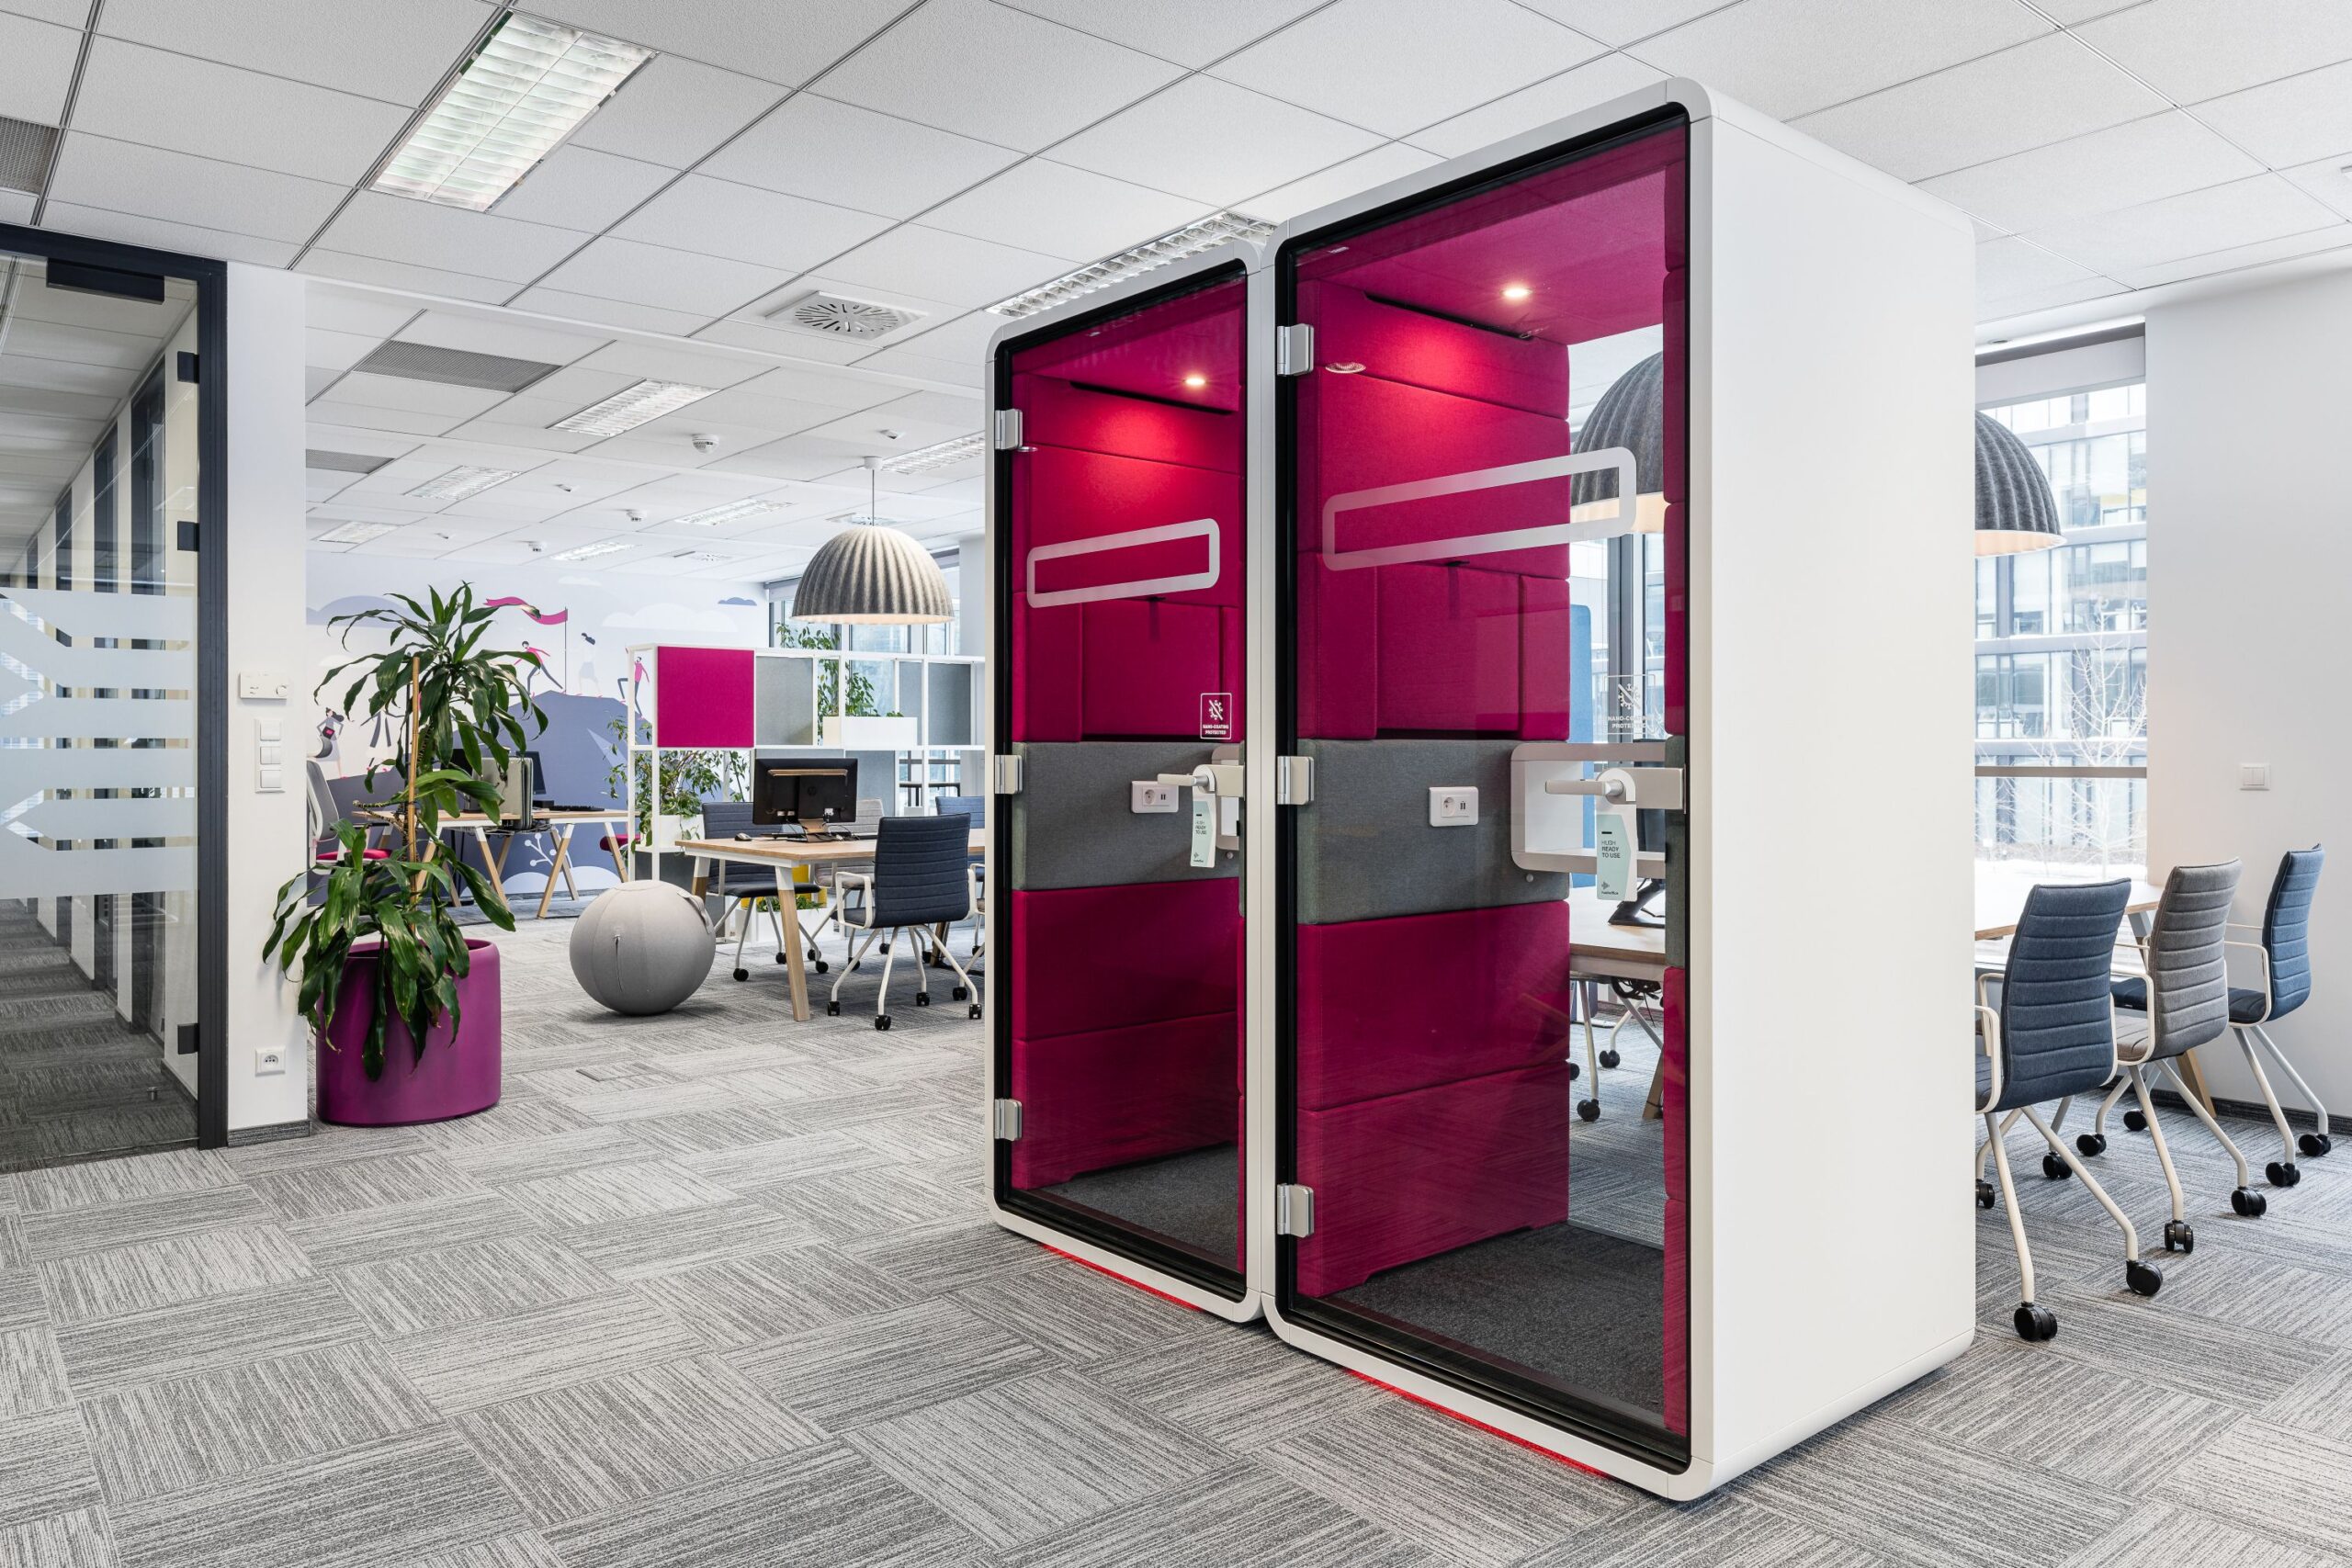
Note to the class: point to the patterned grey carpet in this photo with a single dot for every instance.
(712, 1290)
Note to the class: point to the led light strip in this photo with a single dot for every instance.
(1203, 234)
(460, 483)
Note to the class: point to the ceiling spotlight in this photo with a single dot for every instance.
(526, 89)
(706, 442)
(632, 406)
(1196, 381)
(1516, 291)
(1345, 367)
(633, 514)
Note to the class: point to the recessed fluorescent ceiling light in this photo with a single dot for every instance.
(355, 533)
(1206, 233)
(587, 552)
(733, 511)
(460, 483)
(938, 455)
(632, 406)
(700, 555)
(527, 87)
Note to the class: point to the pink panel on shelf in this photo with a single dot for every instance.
(1449, 650)
(1146, 663)
(703, 697)
(1364, 1033)
(1413, 1175)
(1099, 958)
(1111, 1097)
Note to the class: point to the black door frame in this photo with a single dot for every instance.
(211, 369)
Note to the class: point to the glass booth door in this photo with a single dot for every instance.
(1494, 402)
(1115, 875)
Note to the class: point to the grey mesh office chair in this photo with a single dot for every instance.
(2285, 952)
(2186, 997)
(919, 881)
(2051, 1036)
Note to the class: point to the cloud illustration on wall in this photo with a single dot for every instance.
(738, 599)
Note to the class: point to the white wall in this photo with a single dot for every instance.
(2250, 547)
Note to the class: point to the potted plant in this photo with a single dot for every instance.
(405, 1006)
(689, 777)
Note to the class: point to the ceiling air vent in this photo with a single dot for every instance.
(454, 366)
(341, 462)
(831, 315)
(25, 149)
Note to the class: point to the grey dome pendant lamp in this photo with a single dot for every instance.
(1632, 415)
(2014, 508)
(871, 574)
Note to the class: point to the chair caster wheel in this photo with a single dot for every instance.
(1574, 1072)
(2056, 1169)
(976, 1009)
(1985, 1197)
(1610, 1058)
(742, 974)
(2144, 1278)
(2249, 1202)
(1589, 1110)
(2091, 1144)
(2179, 1236)
(2036, 1324)
(882, 1021)
(824, 967)
(832, 1010)
(923, 999)
(782, 958)
(2281, 1175)
(2313, 1144)
(959, 994)
(2135, 1120)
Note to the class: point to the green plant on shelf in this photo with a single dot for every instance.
(862, 700)
(688, 778)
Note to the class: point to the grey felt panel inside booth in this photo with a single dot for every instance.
(1072, 826)
(1366, 847)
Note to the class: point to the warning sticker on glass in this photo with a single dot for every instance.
(1216, 715)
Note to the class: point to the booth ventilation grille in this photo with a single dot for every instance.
(833, 316)
(454, 366)
(25, 149)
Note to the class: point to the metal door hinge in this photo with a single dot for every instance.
(1294, 1211)
(188, 367)
(185, 1038)
(1008, 430)
(1005, 1121)
(1293, 349)
(1005, 775)
(1294, 781)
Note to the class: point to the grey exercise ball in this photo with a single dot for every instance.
(642, 947)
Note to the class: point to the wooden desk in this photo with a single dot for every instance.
(1599, 951)
(558, 826)
(783, 855)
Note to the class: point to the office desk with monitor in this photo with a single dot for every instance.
(783, 856)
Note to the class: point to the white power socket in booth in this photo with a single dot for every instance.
(1151, 797)
(268, 1061)
(1453, 806)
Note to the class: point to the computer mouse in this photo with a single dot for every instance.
(744, 837)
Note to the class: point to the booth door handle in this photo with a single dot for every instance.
(1656, 789)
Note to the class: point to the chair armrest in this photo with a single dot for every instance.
(2265, 954)
(864, 880)
(1989, 1037)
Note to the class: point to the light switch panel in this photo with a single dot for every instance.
(268, 730)
(269, 781)
(2253, 775)
(262, 685)
(1454, 805)
(1144, 798)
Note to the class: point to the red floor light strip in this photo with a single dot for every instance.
(1474, 1421)
(1138, 1284)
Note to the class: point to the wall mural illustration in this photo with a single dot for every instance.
(581, 623)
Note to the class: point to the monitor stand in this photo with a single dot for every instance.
(817, 830)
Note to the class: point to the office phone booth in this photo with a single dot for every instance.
(1446, 1205)
(1114, 885)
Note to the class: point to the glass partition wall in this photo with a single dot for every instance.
(1116, 883)
(1480, 487)
(109, 991)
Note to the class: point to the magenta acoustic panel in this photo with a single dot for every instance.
(703, 697)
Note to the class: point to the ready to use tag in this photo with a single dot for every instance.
(1204, 829)
(1612, 853)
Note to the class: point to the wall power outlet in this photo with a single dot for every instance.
(1454, 805)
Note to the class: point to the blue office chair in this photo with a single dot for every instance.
(2285, 951)
(2186, 998)
(2052, 1037)
(975, 808)
(921, 879)
(745, 885)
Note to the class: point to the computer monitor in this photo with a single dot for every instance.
(815, 792)
(539, 796)
(517, 795)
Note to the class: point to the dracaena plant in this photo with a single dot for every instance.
(460, 708)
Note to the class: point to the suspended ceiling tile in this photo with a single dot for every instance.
(2015, 267)
(837, 392)
(395, 52)
(1620, 22)
(909, 361)
(815, 147)
(1192, 34)
(935, 265)
(1556, 97)
(327, 412)
(1393, 67)
(136, 93)
(578, 187)
(740, 331)
(2164, 155)
(668, 279)
(417, 396)
(449, 239)
(336, 351)
(36, 68)
(500, 335)
(345, 310)
(2243, 212)
(2326, 180)
(2289, 121)
(2194, 50)
(699, 213)
(1792, 57)
(608, 312)
(17, 206)
(123, 176)
(2205, 263)
(2044, 90)
(1076, 214)
(673, 111)
(1392, 161)
(785, 45)
(1212, 142)
(984, 71)
(325, 262)
(70, 218)
(668, 362)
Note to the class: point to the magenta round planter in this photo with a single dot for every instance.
(455, 1077)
